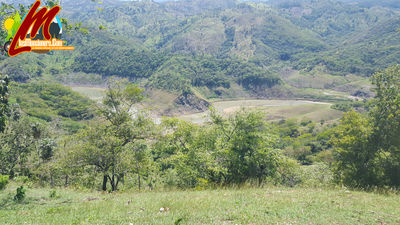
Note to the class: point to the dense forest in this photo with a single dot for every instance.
(197, 51)
(138, 40)
(119, 145)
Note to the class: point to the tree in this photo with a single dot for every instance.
(46, 148)
(138, 159)
(352, 151)
(386, 107)
(185, 153)
(107, 145)
(246, 146)
(385, 116)
(4, 82)
(103, 150)
(367, 148)
(17, 144)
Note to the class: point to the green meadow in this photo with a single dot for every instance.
(268, 205)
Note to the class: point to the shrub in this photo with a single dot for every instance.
(21, 179)
(287, 172)
(3, 181)
(317, 175)
(53, 194)
(20, 195)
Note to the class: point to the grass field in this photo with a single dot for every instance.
(321, 80)
(272, 205)
(93, 93)
(274, 109)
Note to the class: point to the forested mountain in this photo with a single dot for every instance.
(371, 3)
(173, 44)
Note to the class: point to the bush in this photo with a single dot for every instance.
(53, 194)
(317, 175)
(292, 174)
(21, 179)
(3, 181)
(20, 196)
(287, 172)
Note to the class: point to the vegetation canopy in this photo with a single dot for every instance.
(203, 112)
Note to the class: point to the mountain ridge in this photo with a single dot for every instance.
(222, 48)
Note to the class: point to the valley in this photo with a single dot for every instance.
(275, 110)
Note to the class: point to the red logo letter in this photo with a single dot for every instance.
(35, 20)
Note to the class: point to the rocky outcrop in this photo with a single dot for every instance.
(191, 103)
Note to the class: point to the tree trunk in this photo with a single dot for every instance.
(105, 183)
(40, 180)
(260, 181)
(122, 178)
(138, 173)
(260, 176)
(66, 181)
(51, 180)
(114, 182)
(117, 182)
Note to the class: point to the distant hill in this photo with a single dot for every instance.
(285, 32)
(179, 45)
(371, 3)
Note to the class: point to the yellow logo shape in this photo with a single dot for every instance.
(8, 24)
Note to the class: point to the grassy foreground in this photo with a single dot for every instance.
(272, 205)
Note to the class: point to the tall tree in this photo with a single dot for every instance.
(386, 119)
(108, 145)
(4, 82)
(386, 110)
(247, 146)
(352, 151)
(367, 148)
(186, 149)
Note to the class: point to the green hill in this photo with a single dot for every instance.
(197, 44)
(280, 33)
